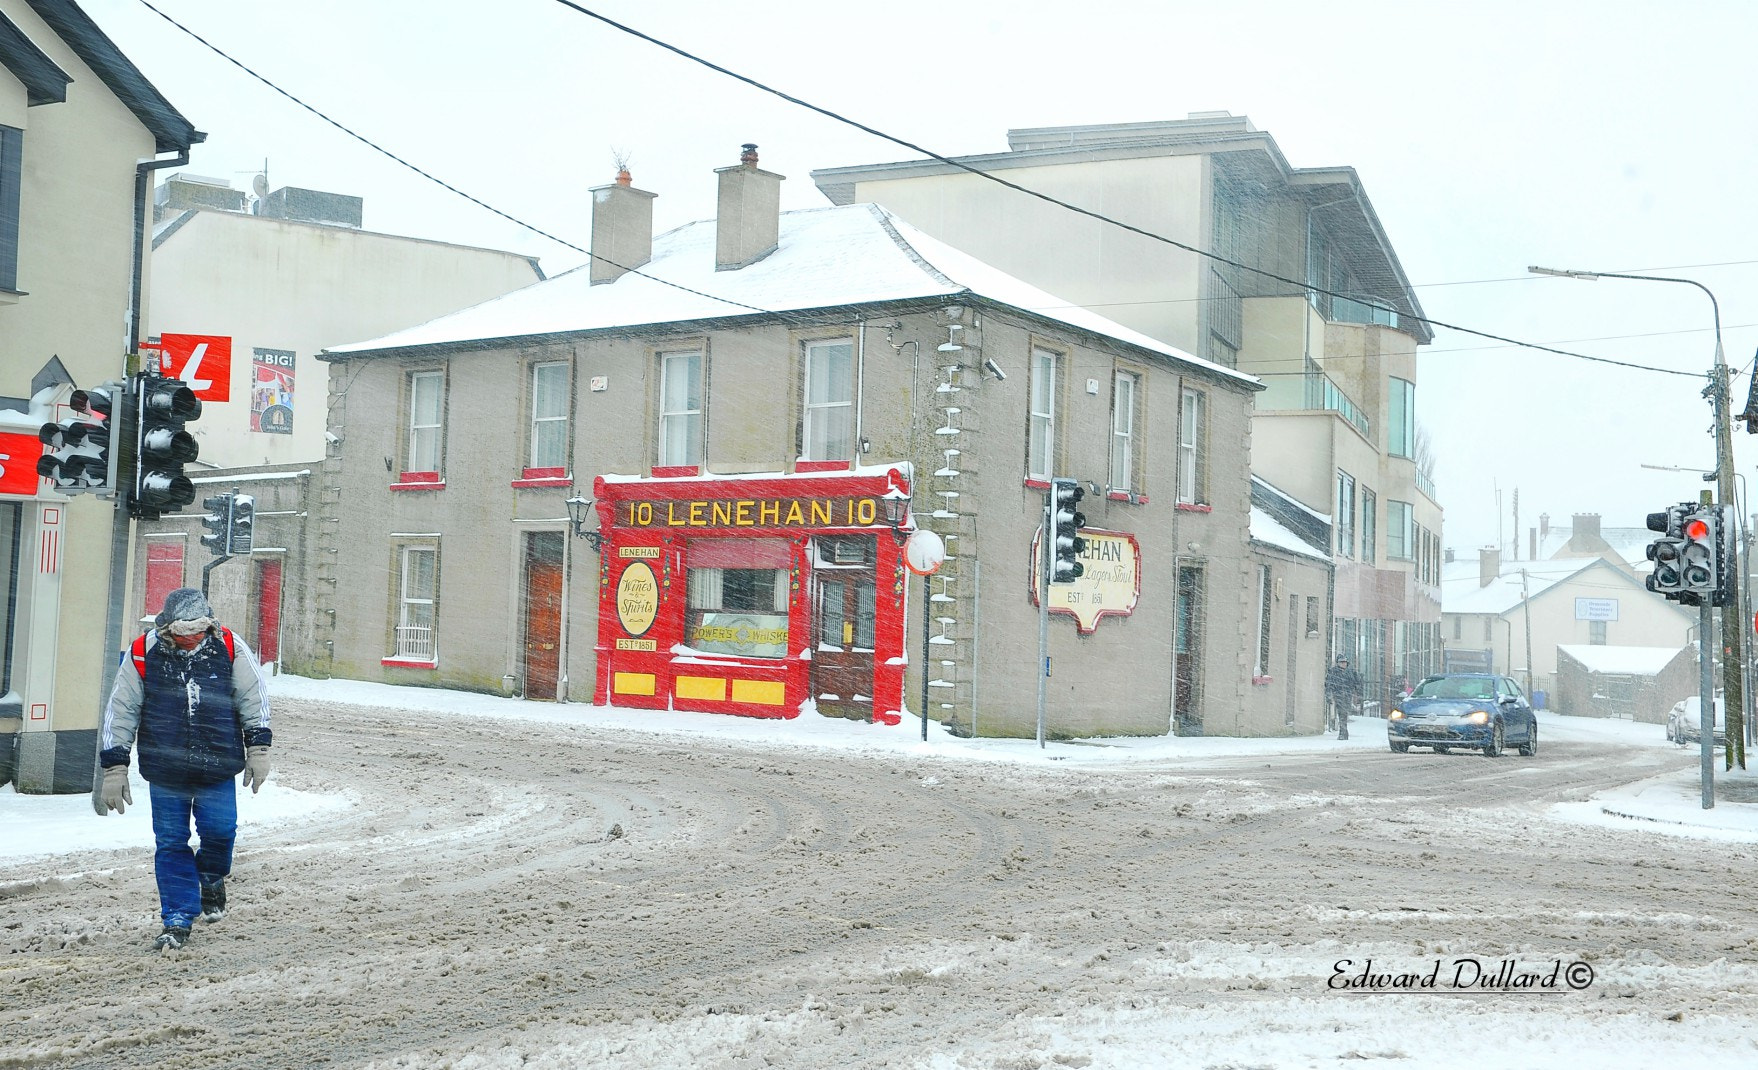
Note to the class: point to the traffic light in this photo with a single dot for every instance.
(218, 521)
(1065, 541)
(163, 447)
(1710, 561)
(1700, 554)
(243, 523)
(1668, 552)
(76, 451)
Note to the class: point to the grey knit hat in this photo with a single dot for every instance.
(185, 603)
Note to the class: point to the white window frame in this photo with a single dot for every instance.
(1124, 388)
(426, 429)
(1369, 524)
(1191, 405)
(677, 413)
(820, 437)
(415, 640)
(1041, 429)
(549, 410)
(1345, 514)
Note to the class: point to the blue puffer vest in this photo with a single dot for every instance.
(190, 734)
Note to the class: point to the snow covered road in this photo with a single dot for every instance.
(486, 893)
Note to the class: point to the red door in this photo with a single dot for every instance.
(843, 611)
(543, 613)
(268, 609)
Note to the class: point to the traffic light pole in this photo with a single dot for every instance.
(1706, 704)
(124, 414)
(1046, 550)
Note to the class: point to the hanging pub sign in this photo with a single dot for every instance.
(1109, 583)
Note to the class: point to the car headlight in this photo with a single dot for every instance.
(1395, 715)
(1477, 717)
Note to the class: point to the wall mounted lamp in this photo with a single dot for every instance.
(897, 510)
(578, 510)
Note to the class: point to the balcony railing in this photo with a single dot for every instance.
(1313, 390)
(1425, 484)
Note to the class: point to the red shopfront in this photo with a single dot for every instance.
(751, 595)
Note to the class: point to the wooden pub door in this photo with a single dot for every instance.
(543, 613)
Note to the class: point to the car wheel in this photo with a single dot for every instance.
(1492, 748)
(1442, 748)
(1400, 748)
(1530, 747)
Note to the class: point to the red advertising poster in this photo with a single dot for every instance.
(271, 391)
(202, 361)
(19, 451)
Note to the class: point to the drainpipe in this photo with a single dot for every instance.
(142, 186)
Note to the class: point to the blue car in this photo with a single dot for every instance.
(1472, 710)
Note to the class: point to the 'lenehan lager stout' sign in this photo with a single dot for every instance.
(751, 513)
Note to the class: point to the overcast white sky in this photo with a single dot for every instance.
(1595, 134)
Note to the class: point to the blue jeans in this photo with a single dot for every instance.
(180, 871)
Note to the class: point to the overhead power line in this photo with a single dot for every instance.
(1101, 217)
(373, 145)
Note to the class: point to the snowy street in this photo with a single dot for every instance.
(479, 883)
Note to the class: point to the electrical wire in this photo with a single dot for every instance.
(447, 185)
(1099, 216)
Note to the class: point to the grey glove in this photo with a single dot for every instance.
(256, 768)
(116, 794)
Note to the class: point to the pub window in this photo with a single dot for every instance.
(427, 397)
(1041, 433)
(680, 409)
(737, 597)
(417, 600)
(549, 415)
(828, 434)
(1123, 452)
(1191, 488)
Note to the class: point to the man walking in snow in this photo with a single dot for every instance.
(1342, 692)
(191, 698)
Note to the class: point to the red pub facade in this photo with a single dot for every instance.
(752, 595)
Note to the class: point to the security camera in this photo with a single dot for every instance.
(993, 368)
(331, 437)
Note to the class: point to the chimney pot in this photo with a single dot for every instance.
(747, 224)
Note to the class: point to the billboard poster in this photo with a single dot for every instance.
(203, 361)
(271, 392)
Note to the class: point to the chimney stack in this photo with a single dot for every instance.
(622, 229)
(1489, 565)
(748, 220)
(1585, 524)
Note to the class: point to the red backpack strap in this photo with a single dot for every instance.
(138, 650)
(226, 636)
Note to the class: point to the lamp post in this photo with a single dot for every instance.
(1733, 617)
(578, 510)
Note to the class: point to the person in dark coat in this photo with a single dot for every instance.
(1342, 693)
(190, 697)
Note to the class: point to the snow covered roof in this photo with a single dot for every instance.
(826, 258)
(1267, 529)
(1461, 592)
(1624, 660)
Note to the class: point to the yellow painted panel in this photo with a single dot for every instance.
(633, 683)
(712, 688)
(767, 692)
